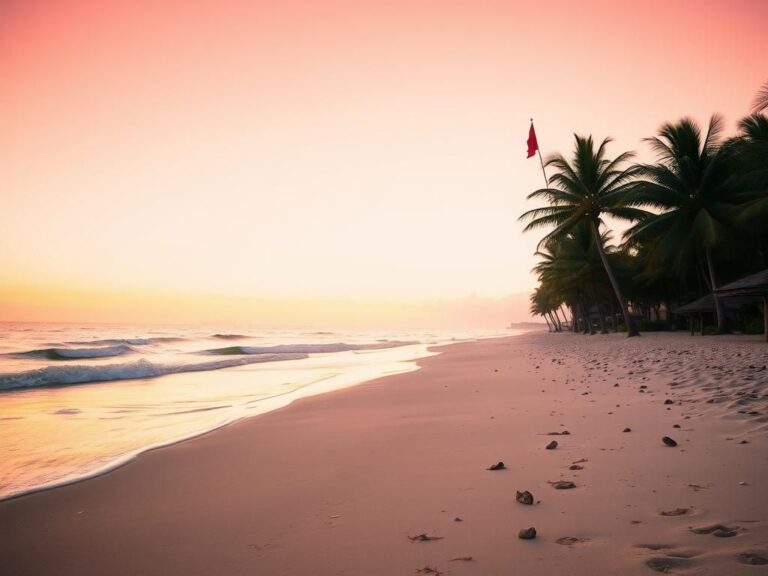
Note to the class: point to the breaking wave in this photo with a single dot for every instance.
(67, 375)
(77, 353)
(302, 348)
(129, 341)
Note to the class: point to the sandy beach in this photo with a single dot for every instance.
(346, 482)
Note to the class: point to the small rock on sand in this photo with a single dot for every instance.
(552, 445)
(669, 441)
(627, 429)
(675, 512)
(524, 497)
(497, 466)
(527, 533)
(563, 485)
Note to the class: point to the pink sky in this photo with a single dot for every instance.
(322, 151)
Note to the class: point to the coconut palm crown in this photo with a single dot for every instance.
(692, 185)
(581, 191)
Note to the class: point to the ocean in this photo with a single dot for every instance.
(78, 400)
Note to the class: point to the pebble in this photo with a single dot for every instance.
(527, 533)
(552, 445)
(524, 497)
(669, 441)
(497, 466)
(627, 430)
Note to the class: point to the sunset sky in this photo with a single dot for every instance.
(157, 157)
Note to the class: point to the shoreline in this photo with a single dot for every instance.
(335, 483)
(268, 404)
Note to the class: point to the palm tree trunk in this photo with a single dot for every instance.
(631, 330)
(555, 327)
(719, 310)
(557, 317)
(564, 311)
(585, 317)
(549, 327)
(603, 327)
(600, 315)
(551, 319)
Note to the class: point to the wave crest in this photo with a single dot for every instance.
(129, 341)
(77, 353)
(66, 375)
(302, 348)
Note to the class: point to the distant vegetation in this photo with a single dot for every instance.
(698, 218)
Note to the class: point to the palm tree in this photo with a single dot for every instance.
(570, 270)
(580, 192)
(543, 305)
(751, 149)
(692, 185)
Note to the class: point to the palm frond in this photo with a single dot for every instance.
(761, 99)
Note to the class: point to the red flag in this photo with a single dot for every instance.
(533, 144)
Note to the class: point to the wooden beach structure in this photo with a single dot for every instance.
(755, 285)
(706, 305)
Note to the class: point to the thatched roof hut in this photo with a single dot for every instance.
(753, 285)
(707, 304)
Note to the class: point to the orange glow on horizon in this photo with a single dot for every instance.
(65, 304)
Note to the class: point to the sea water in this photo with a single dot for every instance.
(78, 400)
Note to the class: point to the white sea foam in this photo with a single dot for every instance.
(81, 374)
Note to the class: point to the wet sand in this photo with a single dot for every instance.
(341, 483)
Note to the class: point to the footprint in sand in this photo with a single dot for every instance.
(718, 530)
(655, 547)
(673, 561)
(668, 564)
(571, 540)
(752, 558)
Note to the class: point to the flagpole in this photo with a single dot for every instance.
(538, 149)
